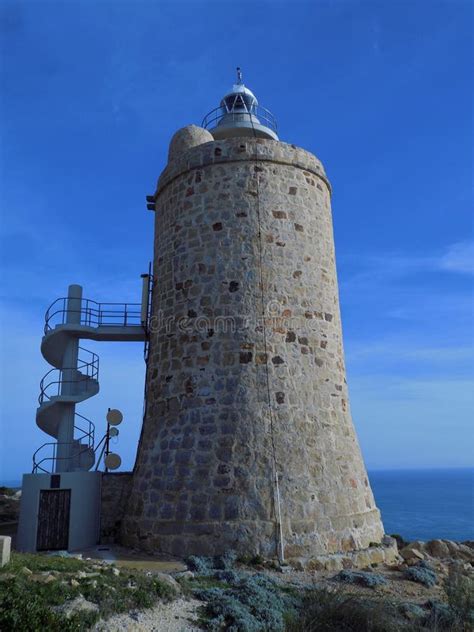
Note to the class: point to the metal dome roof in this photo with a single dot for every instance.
(239, 114)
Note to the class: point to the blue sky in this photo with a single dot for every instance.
(380, 91)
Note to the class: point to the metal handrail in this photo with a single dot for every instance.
(88, 434)
(83, 372)
(37, 465)
(214, 117)
(93, 314)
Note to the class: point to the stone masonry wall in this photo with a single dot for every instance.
(115, 491)
(229, 213)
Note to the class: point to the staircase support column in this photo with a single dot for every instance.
(68, 383)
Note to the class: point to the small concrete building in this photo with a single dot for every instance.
(62, 498)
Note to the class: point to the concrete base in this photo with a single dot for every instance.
(5, 549)
(84, 523)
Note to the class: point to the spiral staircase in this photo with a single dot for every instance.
(74, 377)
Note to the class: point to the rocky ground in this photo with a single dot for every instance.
(180, 615)
(9, 505)
(429, 586)
(252, 595)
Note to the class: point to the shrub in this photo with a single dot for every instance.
(207, 565)
(225, 562)
(250, 603)
(339, 611)
(200, 564)
(225, 612)
(371, 580)
(422, 573)
(7, 491)
(412, 611)
(25, 610)
(231, 577)
(460, 592)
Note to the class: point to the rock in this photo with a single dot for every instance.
(26, 571)
(361, 559)
(184, 575)
(5, 577)
(401, 543)
(5, 549)
(169, 581)
(376, 555)
(442, 569)
(347, 563)
(81, 575)
(297, 564)
(79, 604)
(410, 553)
(115, 571)
(437, 548)
(466, 553)
(42, 578)
(74, 583)
(389, 540)
(452, 547)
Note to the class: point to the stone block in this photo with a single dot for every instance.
(5, 549)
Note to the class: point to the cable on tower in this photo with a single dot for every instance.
(277, 505)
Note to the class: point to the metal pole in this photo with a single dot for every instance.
(107, 444)
(281, 553)
(145, 300)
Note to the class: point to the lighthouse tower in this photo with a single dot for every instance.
(248, 442)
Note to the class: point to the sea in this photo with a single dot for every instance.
(426, 504)
(420, 504)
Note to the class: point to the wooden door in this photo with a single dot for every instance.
(53, 520)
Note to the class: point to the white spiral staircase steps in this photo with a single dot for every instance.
(101, 322)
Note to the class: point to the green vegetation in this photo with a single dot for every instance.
(241, 601)
(460, 592)
(33, 589)
(40, 563)
(340, 611)
(422, 573)
(7, 491)
(28, 600)
(362, 578)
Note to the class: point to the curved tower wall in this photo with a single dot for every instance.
(229, 213)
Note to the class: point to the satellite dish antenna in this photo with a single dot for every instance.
(113, 461)
(113, 432)
(114, 417)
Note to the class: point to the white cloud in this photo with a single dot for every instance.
(391, 266)
(459, 257)
(413, 422)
